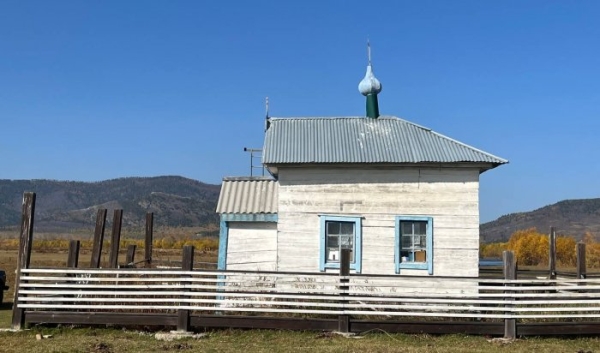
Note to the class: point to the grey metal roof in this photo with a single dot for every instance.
(363, 140)
(248, 195)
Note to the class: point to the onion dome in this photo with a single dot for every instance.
(370, 87)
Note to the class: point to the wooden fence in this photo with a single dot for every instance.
(198, 298)
(193, 299)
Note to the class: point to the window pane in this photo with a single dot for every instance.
(406, 228)
(333, 254)
(420, 256)
(347, 228)
(346, 241)
(333, 227)
(333, 241)
(407, 242)
(423, 241)
(420, 228)
(405, 256)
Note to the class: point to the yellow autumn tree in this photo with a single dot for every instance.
(492, 250)
(530, 247)
(592, 256)
(566, 255)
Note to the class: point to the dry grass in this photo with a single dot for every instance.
(68, 339)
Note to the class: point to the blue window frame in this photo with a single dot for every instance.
(414, 243)
(337, 233)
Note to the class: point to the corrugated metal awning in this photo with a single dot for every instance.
(248, 195)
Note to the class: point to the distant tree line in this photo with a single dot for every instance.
(532, 248)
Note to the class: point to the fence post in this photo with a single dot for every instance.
(73, 259)
(98, 238)
(187, 264)
(344, 320)
(510, 273)
(552, 253)
(24, 258)
(148, 243)
(581, 266)
(130, 255)
(113, 258)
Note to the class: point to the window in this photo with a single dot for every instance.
(414, 243)
(337, 233)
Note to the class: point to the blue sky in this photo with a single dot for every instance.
(96, 90)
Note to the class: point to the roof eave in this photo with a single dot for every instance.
(274, 167)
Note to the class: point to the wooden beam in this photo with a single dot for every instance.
(130, 257)
(581, 266)
(148, 240)
(101, 318)
(430, 327)
(98, 238)
(24, 257)
(559, 328)
(113, 259)
(187, 264)
(310, 324)
(552, 253)
(73, 259)
(263, 322)
(510, 273)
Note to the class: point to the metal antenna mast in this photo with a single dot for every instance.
(255, 153)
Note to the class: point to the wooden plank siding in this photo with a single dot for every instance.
(449, 195)
(252, 246)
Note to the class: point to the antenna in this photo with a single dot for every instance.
(267, 106)
(267, 123)
(255, 153)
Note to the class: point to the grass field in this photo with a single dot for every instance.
(115, 339)
(105, 340)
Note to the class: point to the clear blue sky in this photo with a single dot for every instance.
(96, 90)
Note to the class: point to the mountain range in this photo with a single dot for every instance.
(181, 202)
(568, 217)
(64, 205)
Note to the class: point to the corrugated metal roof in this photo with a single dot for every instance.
(248, 195)
(363, 140)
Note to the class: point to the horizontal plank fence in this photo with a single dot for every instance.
(57, 295)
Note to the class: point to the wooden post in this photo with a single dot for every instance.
(552, 253)
(581, 266)
(98, 238)
(187, 264)
(24, 257)
(130, 255)
(344, 320)
(148, 243)
(510, 273)
(73, 259)
(113, 258)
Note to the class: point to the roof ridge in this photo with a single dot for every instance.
(333, 117)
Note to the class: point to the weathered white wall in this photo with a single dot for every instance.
(252, 246)
(449, 195)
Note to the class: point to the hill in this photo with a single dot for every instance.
(569, 217)
(66, 205)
